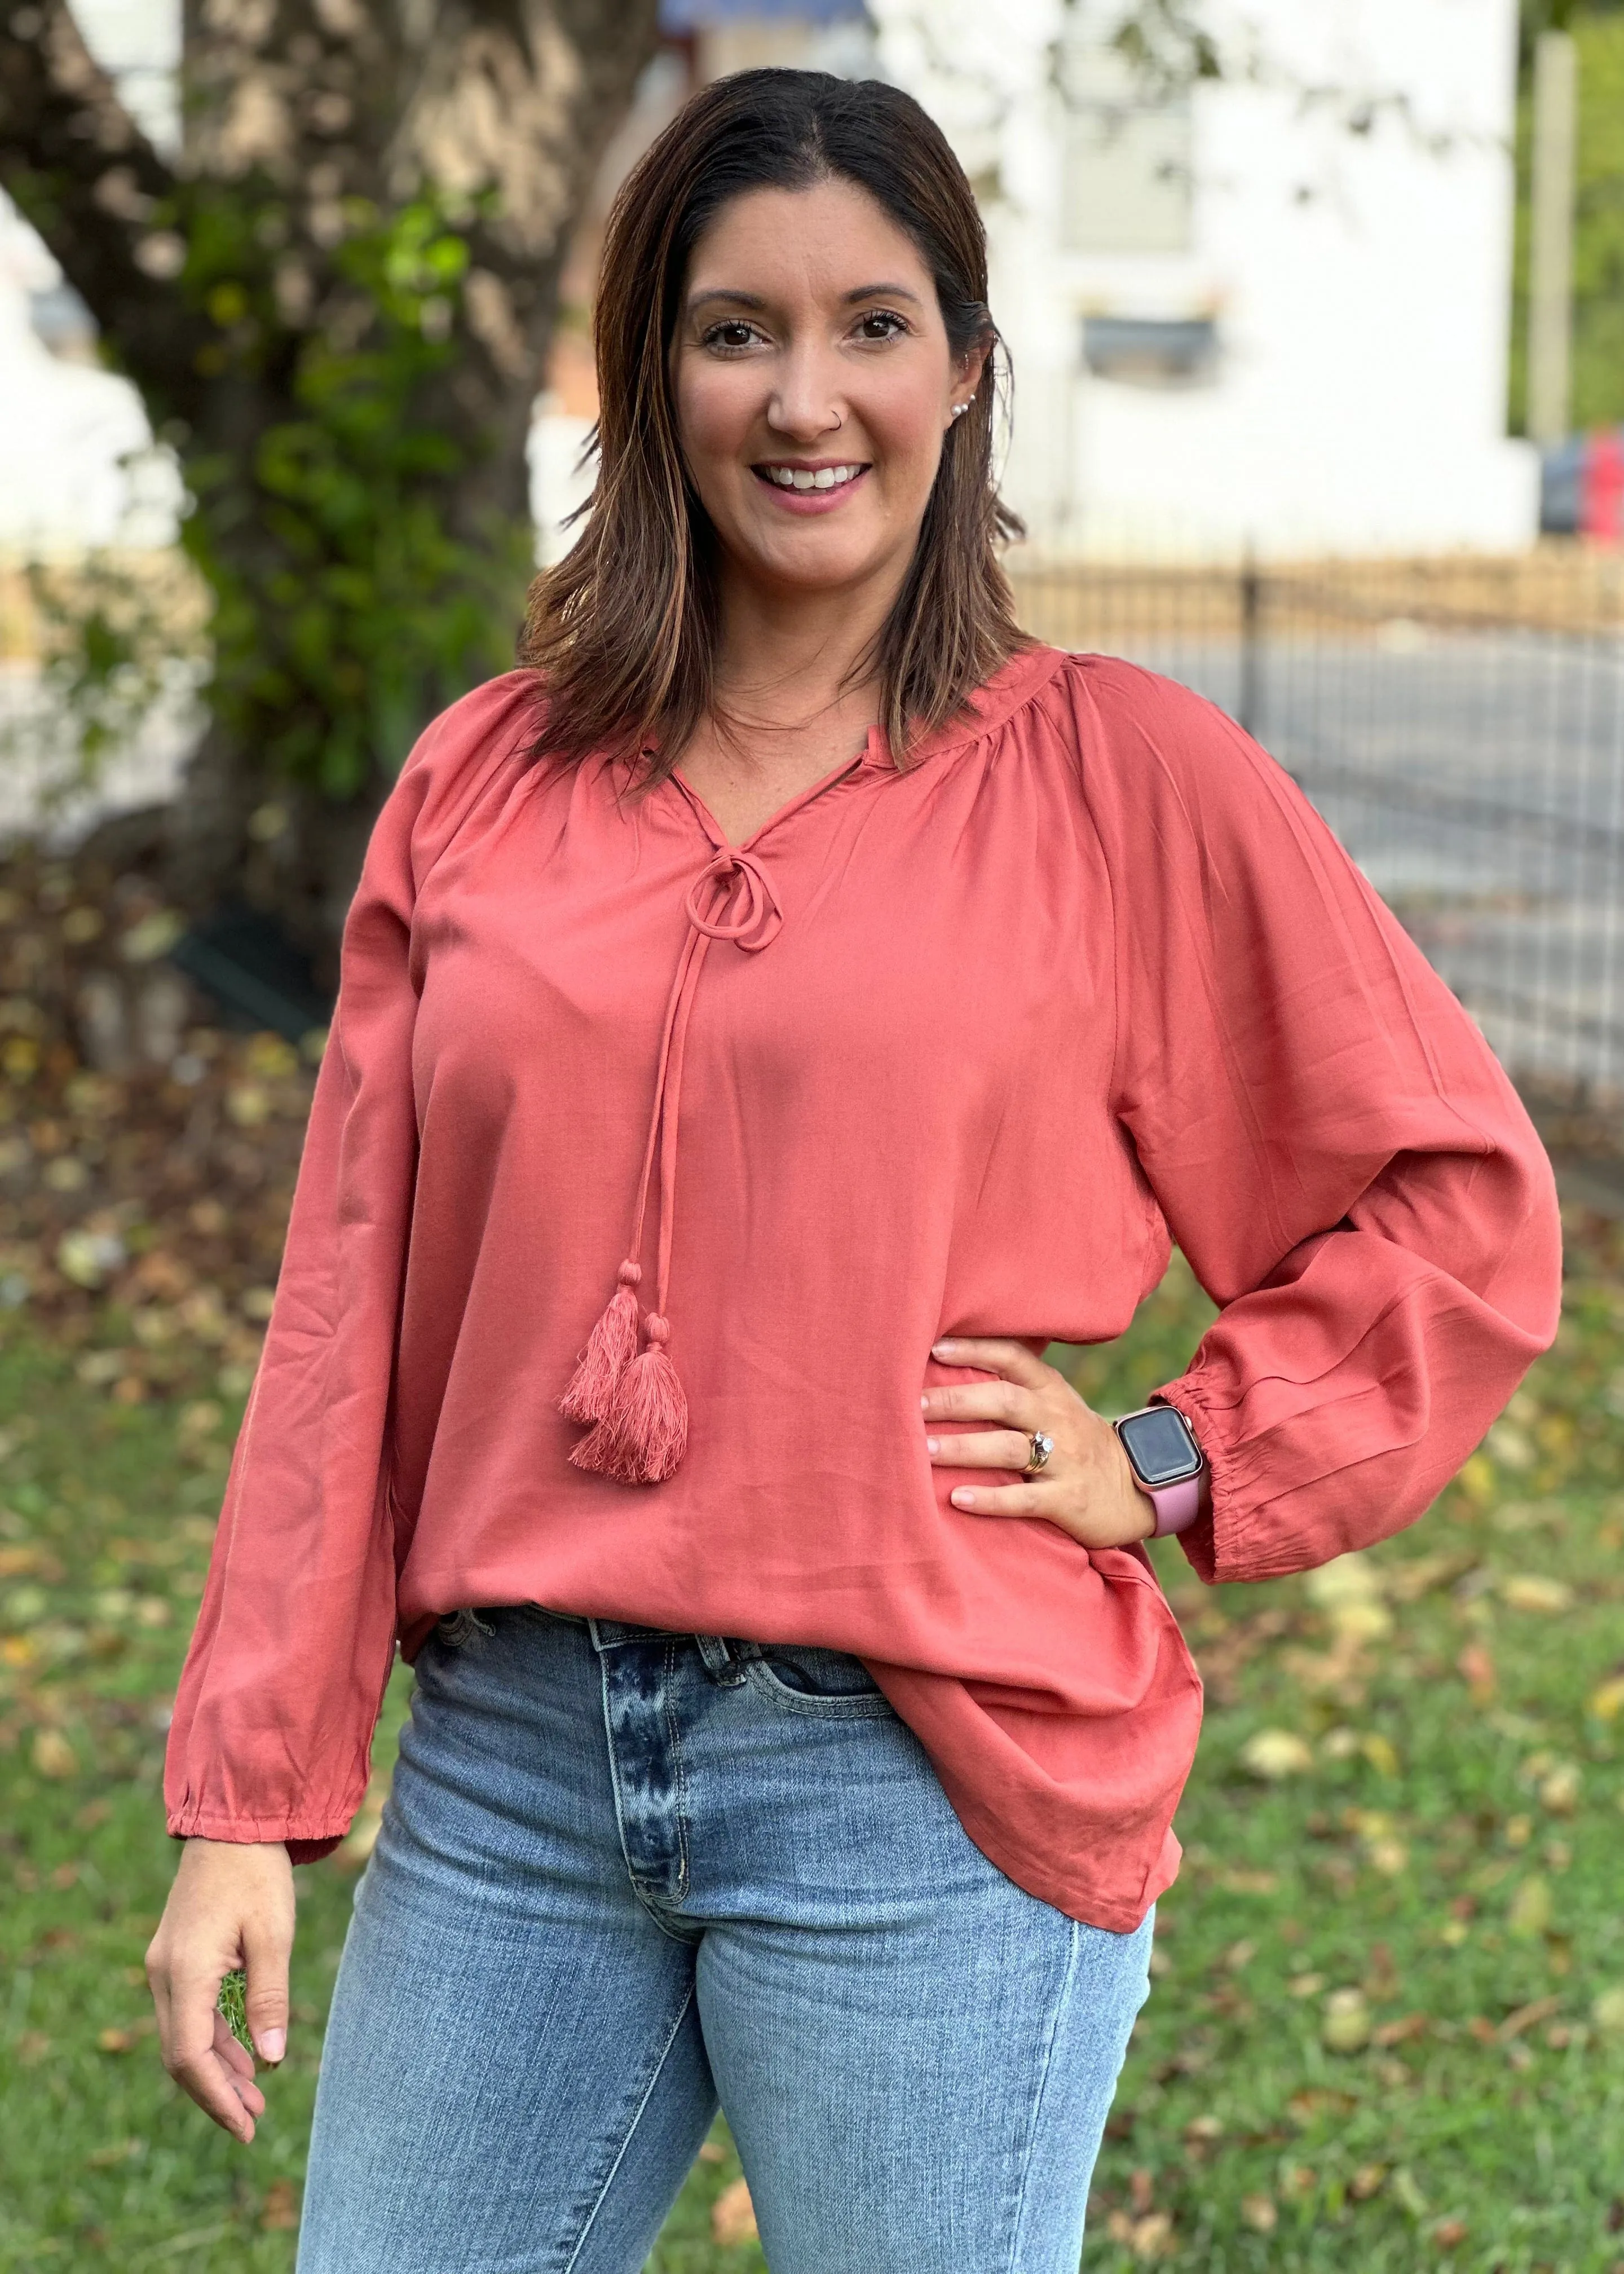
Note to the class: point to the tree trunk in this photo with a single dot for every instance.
(243, 289)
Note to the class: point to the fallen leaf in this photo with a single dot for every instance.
(1449, 2234)
(53, 1756)
(1151, 2237)
(1608, 1701)
(1539, 2009)
(1536, 1591)
(1259, 2213)
(1559, 1791)
(710, 2153)
(1351, 1578)
(116, 2041)
(1272, 1754)
(1607, 2012)
(1361, 1622)
(1368, 2180)
(732, 2215)
(1478, 1480)
(1402, 2032)
(1304, 2107)
(1476, 1669)
(279, 2213)
(1379, 1752)
(1530, 1912)
(1346, 2027)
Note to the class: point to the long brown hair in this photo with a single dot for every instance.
(624, 627)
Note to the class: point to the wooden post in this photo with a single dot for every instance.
(1550, 309)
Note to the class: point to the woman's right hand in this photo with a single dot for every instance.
(231, 1906)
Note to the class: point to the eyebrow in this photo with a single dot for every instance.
(737, 299)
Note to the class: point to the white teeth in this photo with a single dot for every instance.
(803, 478)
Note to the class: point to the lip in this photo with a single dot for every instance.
(810, 502)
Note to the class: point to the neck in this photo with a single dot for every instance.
(786, 657)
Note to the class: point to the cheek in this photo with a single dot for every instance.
(904, 425)
(716, 410)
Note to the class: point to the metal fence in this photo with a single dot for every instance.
(1460, 724)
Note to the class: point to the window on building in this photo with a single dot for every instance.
(1127, 157)
(1151, 351)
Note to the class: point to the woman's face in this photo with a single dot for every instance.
(814, 384)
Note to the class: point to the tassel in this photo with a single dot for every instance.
(643, 1435)
(611, 1347)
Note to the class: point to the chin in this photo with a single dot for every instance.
(816, 560)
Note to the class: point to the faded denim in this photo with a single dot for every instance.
(624, 1875)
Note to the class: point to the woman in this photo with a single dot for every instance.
(768, 1018)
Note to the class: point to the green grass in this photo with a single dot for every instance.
(1447, 1849)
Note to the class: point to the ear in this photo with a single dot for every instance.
(967, 372)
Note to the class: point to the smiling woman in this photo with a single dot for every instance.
(792, 329)
(798, 1722)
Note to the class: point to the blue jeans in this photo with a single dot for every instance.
(625, 1875)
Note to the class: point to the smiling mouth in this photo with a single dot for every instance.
(809, 477)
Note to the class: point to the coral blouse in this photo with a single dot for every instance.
(964, 1045)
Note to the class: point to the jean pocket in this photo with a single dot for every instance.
(808, 1679)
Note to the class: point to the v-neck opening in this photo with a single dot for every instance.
(713, 827)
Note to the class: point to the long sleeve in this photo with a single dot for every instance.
(1331, 1142)
(280, 1695)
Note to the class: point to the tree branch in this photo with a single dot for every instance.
(81, 170)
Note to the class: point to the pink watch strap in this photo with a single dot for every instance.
(1177, 1506)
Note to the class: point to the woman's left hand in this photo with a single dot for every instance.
(1086, 1486)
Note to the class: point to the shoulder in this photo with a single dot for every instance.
(1152, 756)
(464, 762)
(473, 751)
(492, 727)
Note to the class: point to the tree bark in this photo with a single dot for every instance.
(307, 116)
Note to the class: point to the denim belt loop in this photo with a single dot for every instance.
(722, 1662)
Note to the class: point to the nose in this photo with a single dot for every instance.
(806, 404)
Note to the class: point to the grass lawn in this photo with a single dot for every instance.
(1388, 2026)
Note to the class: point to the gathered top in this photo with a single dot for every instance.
(950, 1050)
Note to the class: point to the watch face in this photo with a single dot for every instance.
(1161, 1446)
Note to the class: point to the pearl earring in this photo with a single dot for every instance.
(959, 408)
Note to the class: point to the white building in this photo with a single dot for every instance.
(1267, 309)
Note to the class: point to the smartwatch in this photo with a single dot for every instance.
(1167, 1465)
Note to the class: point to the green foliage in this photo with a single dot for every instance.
(116, 645)
(351, 602)
(1598, 228)
(233, 2004)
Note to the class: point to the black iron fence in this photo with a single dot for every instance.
(1460, 724)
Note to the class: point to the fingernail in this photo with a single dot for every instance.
(947, 1343)
(963, 1499)
(924, 1405)
(933, 1445)
(273, 2043)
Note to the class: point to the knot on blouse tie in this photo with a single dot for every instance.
(632, 1399)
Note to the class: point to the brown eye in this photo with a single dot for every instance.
(880, 324)
(732, 333)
